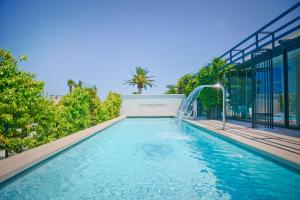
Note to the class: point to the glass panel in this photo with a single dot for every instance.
(263, 102)
(260, 101)
(294, 87)
(240, 95)
(234, 97)
(248, 93)
(278, 90)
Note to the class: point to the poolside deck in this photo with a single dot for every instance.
(280, 143)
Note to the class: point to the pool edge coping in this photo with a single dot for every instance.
(18, 163)
(262, 151)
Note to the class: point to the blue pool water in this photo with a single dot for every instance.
(154, 158)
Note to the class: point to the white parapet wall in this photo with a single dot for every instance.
(151, 105)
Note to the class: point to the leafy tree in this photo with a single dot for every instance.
(141, 79)
(171, 89)
(95, 106)
(112, 104)
(49, 123)
(76, 109)
(82, 108)
(210, 74)
(71, 83)
(20, 96)
(79, 83)
(186, 84)
(29, 119)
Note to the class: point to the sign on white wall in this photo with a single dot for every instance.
(151, 105)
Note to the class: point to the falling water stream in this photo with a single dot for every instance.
(187, 106)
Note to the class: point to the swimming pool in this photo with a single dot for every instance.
(154, 158)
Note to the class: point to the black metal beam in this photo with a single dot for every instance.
(286, 88)
(265, 44)
(263, 28)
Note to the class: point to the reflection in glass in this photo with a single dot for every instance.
(278, 90)
(294, 87)
(240, 94)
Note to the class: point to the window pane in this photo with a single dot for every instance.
(278, 90)
(240, 94)
(294, 87)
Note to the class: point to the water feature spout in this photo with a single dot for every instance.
(187, 108)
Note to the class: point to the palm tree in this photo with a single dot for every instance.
(79, 84)
(171, 89)
(141, 79)
(71, 84)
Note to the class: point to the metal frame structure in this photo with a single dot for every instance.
(256, 53)
(262, 91)
(269, 37)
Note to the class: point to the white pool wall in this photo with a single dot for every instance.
(136, 105)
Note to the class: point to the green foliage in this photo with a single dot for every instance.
(112, 104)
(171, 89)
(186, 84)
(49, 124)
(29, 119)
(76, 109)
(72, 84)
(20, 94)
(210, 74)
(141, 79)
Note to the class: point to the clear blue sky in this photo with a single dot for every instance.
(101, 42)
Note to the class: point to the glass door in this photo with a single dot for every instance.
(293, 68)
(262, 91)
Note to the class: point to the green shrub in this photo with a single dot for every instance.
(112, 105)
(76, 109)
(29, 119)
(20, 94)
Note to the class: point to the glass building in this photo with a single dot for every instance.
(264, 84)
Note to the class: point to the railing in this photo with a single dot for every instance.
(239, 52)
